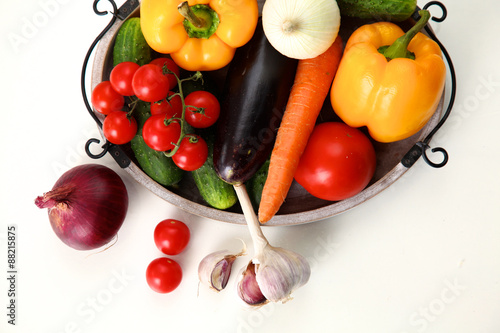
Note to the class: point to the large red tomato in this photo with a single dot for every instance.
(338, 162)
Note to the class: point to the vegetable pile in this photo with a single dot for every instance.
(249, 136)
(286, 66)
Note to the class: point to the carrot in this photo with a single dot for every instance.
(313, 80)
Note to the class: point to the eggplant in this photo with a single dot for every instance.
(254, 97)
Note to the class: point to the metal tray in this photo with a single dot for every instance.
(393, 159)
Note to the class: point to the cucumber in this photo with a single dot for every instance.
(130, 44)
(386, 10)
(255, 185)
(216, 192)
(155, 164)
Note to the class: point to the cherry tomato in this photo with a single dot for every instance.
(119, 128)
(171, 107)
(171, 236)
(167, 63)
(121, 77)
(192, 153)
(338, 162)
(149, 83)
(105, 99)
(160, 136)
(163, 275)
(202, 109)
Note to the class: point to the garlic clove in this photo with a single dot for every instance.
(272, 276)
(248, 289)
(214, 269)
(221, 273)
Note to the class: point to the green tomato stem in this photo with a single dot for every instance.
(196, 76)
(132, 105)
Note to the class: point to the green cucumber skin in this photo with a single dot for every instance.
(130, 44)
(386, 10)
(216, 192)
(255, 185)
(155, 164)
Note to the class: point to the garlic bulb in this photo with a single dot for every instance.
(301, 29)
(273, 273)
(214, 270)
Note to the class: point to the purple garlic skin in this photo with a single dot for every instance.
(275, 273)
(215, 269)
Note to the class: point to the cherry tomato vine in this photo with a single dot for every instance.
(153, 83)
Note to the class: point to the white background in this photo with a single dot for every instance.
(422, 256)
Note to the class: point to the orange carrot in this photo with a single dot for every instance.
(313, 80)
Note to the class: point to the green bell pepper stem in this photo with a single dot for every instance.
(399, 49)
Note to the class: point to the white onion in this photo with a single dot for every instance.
(301, 29)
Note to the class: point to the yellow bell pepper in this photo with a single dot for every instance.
(198, 34)
(389, 81)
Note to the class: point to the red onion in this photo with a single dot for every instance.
(87, 206)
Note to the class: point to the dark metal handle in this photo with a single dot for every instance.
(127, 8)
(116, 152)
(419, 149)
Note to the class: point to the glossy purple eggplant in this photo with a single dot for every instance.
(254, 98)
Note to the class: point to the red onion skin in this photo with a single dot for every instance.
(87, 206)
